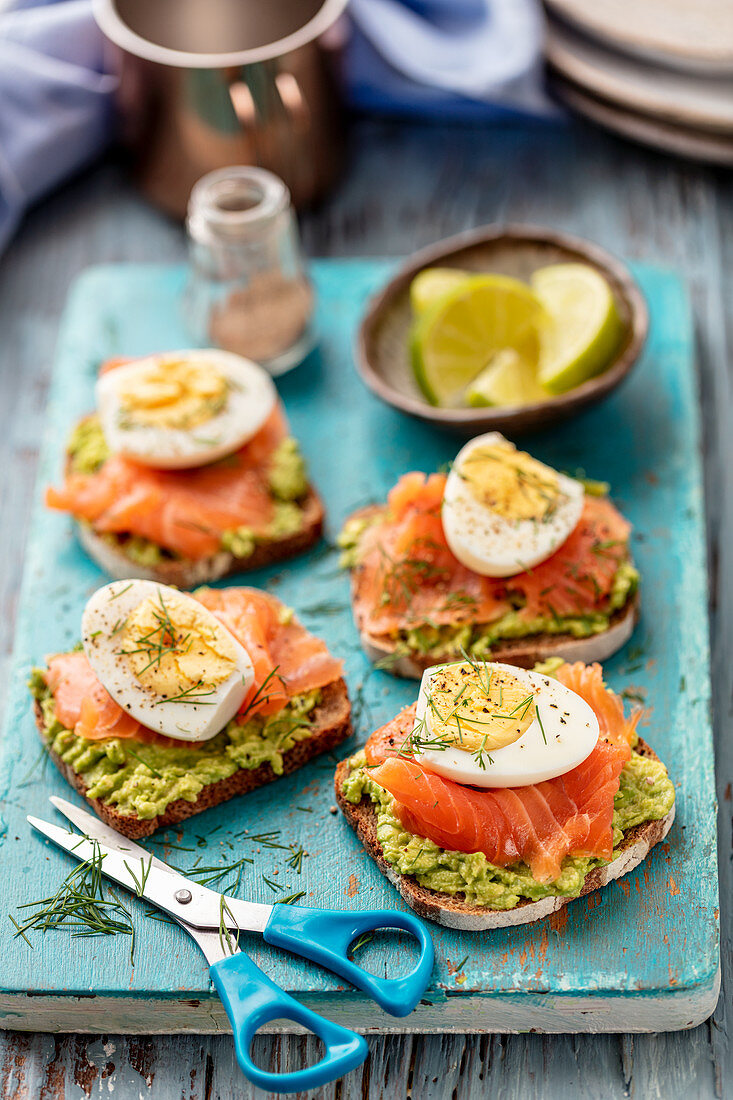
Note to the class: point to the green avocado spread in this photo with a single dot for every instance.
(140, 779)
(286, 476)
(87, 448)
(448, 641)
(645, 794)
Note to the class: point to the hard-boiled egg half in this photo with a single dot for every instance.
(493, 725)
(183, 408)
(503, 511)
(165, 659)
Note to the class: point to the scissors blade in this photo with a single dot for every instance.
(149, 877)
(95, 829)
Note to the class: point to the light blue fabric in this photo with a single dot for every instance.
(439, 58)
(448, 58)
(55, 101)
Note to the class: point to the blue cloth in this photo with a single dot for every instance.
(470, 59)
(467, 59)
(55, 101)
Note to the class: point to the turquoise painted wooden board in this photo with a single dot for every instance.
(640, 955)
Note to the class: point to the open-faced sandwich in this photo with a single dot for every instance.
(503, 793)
(178, 702)
(187, 471)
(502, 557)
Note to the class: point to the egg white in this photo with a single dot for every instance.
(250, 401)
(491, 544)
(570, 726)
(186, 721)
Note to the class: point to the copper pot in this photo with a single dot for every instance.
(204, 84)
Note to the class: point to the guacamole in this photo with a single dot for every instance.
(477, 639)
(87, 448)
(287, 520)
(645, 794)
(141, 779)
(286, 477)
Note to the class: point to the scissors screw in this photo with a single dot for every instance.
(183, 896)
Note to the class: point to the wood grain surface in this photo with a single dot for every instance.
(651, 961)
(407, 187)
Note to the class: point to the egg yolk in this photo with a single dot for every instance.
(173, 394)
(175, 651)
(511, 482)
(476, 707)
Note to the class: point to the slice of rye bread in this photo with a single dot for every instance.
(524, 652)
(456, 912)
(186, 573)
(331, 725)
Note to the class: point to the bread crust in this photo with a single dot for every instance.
(524, 652)
(332, 725)
(456, 912)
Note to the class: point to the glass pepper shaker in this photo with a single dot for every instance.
(248, 290)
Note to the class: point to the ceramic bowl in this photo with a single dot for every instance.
(382, 346)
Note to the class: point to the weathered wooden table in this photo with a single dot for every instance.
(406, 187)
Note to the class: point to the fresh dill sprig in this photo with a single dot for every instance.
(156, 773)
(120, 593)
(267, 840)
(20, 931)
(260, 696)
(129, 917)
(296, 859)
(41, 759)
(227, 939)
(172, 847)
(363, 940)
(402, 578)
(144, 872)
(79, 904)
(215, 875)
(155, 914)
(480, 752)
(271, 884)
(602, 548)
(159, 641)
(481, 671)
(291, 898)
(418, 739)
(324, 608)
(189, 695)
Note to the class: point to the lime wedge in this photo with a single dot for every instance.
(508, 380)
(584, 326)
(458, 336)
(432, 284)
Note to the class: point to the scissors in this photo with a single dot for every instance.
(214, 920)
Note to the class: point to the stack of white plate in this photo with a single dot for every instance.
(657, 71)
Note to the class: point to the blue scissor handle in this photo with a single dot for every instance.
(324, 936)
(251, 1000)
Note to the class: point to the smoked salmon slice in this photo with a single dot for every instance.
(286, 658)
(287, 661)
(539, 825)
(184, 511)
(407, 576)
